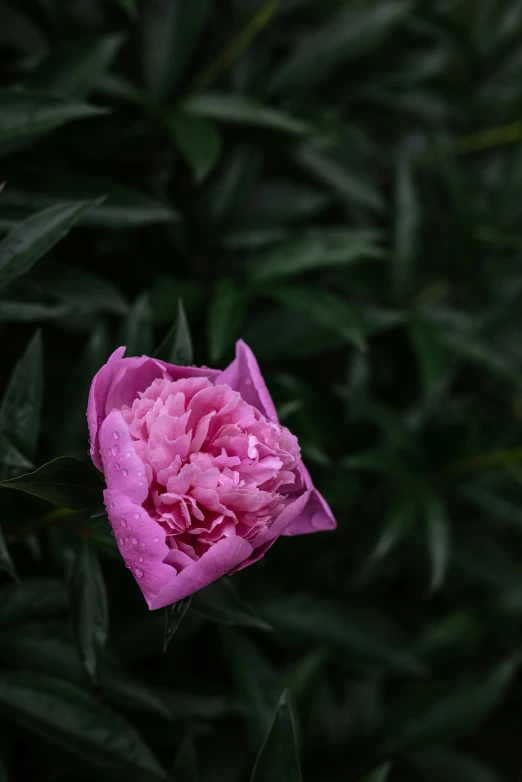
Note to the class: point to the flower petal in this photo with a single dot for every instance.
(97, 397)
(132, 376)
(141, 542)
(218, 560)
(122, 467)
(316, 515)
(244, 375)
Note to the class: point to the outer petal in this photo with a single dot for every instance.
(316, 515)
(177, 373)
(218, 560)
(244, 375)
(268, 537)
(141, 542)
(96, 404)
(122, 467)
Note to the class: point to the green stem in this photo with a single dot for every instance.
(235, 48)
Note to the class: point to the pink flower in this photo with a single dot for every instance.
(201, 477)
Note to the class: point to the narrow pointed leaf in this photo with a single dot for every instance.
(83, 729)
(396, 527)
(406, 225)
(225, 318)
(88, 607)
(34, 237)
(233, 108)
(176, 348)
(137, 334)
(76, 69)
(278, 758)
(221, 603)
(438, 534)
(326, 309)
(6, 563)
(21, 403)
(64, 481)
(26, 113)
(173, 617)
(198, 141)
(170, 29)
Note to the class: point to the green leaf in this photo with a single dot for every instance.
(430, 350)
(88, 607)
(233, 181)
(396, 526)
(34, 237)
(38, 187)
(47, 648)
(406, 226)
(225, 318)
(448, 710)
(6, 563)
(438, 532)
(278, 758)
(176, 348)
(272, 202)
(11, 456)
(21, 403)
(34, 598)
(380, 774)
(498, 507)
(385, 462)
(343, 37)
(173, 616)
(234, 108)
(137, 334)
(316, 250)
(185, 765)
(329, 167)
(26, 113)
(26, 312)
(258, 683)
(221, 603)
(441, 765)
(360, 639)
(326, 309)
(83, 729)
(64, 481)
(128, 691)
(76, 69)
(170, 29)
(198, 141)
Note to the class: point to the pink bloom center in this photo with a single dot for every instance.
(215, 466)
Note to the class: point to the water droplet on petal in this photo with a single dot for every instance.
(124, 472)
(140, 559)
(115, 450)
(140, 483)
(128, 454)
(112, 505)
(108, 451)
(155, 540)
(113, 533)
(139, 474)
(139, 572)
(116, 435)
(121, 541)
(135, 541)
(123, 521)
(127, 564)
(136, 515)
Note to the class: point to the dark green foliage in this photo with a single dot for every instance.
(338, 182)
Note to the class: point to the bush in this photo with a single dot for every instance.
(339, 183)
